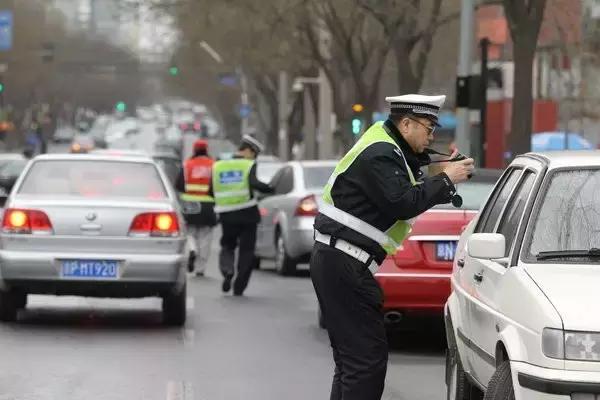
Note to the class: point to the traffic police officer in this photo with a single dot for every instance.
(373, 195)
(194, 186)
(233, 185)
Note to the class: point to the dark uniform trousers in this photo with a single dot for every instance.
(244, 235)
(351, 303)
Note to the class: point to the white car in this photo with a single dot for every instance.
(522, 321)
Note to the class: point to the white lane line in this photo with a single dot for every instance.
(177, 390)
(190, 303)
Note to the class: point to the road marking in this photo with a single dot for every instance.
(177, 390)
(190, 303)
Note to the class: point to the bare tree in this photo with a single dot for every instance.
(524, 20)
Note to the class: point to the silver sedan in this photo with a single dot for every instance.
(93, 225)
(285, 233)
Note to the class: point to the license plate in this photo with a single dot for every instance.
(444, 251)
(90, 269)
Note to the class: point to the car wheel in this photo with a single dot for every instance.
(284, 264)
(501, 386)
(10, 302)
(321, 319)
(174, 308)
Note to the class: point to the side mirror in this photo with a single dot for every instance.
(486, 245)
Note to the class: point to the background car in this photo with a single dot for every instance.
(82, 143)
(267, 167)
(9, 173)
(285, 232)
(171, 164)
(96, 226)
(416, 280)
(521, 321)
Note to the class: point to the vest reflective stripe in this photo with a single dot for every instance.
(231, 185)
(233, 193)
(235, 207)
(392, 238)
(196, 197)
(357, 224)
(191, 187)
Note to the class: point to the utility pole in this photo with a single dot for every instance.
(310, 126)
(463, 124)
(485, 45)
(283, 113)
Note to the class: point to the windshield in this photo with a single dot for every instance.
(569, 216)
(473, 195)
(84, 178)
(315, 177)
(266, 170)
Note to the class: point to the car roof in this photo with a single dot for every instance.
(120, 152)
(93, 157)
(567, 158)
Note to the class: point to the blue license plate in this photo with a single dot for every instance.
(444, 251)
(91, 269)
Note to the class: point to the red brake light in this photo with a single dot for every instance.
(26, 221)
(307, 207)
(155, 224)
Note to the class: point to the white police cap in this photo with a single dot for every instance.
(254, 143)
(420, 105)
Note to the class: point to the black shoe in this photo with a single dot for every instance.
(226, 287)
(200, 274)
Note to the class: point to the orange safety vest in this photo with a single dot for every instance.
(198, 174)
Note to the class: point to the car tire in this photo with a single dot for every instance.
(458, 386)
(284, 264)
(321, 319)
(174, 308)
(501, 386)
(10, 302)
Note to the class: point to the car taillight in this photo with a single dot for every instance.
(155, 224)
(307, 207)
(26, 221)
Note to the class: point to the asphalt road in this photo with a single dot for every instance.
(265, 345)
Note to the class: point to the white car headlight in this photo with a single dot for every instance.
(582, 346)
(571, 345)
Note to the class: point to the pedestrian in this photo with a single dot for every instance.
(369, 203)
(233, 184)
(193, 185)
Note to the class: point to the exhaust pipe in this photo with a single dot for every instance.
(392, 317)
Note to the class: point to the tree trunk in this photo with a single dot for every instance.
(407, 81)
(519, 138)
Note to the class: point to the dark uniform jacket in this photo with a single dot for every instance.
(249, 215)
(376, 188)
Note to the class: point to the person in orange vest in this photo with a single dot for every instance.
(193, 185)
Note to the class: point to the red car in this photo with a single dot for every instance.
(416, 280)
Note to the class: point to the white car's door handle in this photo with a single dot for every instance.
(460, 262)
(478, 277)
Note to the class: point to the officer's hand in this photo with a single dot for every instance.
(438, 168)
(459, 171)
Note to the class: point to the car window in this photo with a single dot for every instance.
(472, 193)
(13, 168)
(316, 177)
(266, 170)
(285, 183)
(569, 216)
(489, 217)
(514, 210)
(85, 178)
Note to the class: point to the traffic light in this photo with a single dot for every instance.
(121, 106)
(357, 118)
(174, 71)
(1, 87)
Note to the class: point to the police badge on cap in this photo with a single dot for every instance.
(419, 105)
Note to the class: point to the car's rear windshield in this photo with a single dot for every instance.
(569, 216)
(91, 178)
(472, 193)
(315, 177)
